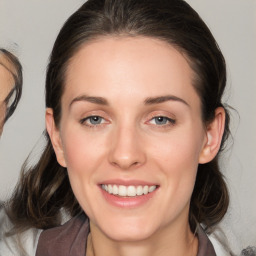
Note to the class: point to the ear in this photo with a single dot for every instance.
(54, 134)
(214, 133)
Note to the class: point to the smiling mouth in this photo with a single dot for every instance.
(128, 191)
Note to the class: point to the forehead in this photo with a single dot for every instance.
(126, 66)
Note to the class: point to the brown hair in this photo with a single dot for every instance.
(15, 68)
(45, 189)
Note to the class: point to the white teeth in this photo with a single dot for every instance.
(122, 191)
(139, 190)
(151, 189)
(115, 189)
(110, 189)
(131, 191)
(128, 191)
(145, 190)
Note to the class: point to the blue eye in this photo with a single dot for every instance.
(95, 119)
(92, 120)
(162, 120)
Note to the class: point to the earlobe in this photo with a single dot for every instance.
(54, 134)
(214, 135)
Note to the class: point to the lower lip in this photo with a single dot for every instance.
(127, 202)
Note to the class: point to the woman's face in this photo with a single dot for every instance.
(6, 84)
(131, 136)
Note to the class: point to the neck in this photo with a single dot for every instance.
(162, 243)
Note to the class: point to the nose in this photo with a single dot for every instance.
(126, 151)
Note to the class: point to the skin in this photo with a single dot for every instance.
(129, 144)
(6, 85)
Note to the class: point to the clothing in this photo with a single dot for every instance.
(11, 245)
(66, 240)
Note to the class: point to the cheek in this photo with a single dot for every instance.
(84, 154)
(83, 157)
(180, 168)
(179, 150)
(81, 150)
(177, 156)
(2, 115)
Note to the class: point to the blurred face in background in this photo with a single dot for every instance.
(6, 85)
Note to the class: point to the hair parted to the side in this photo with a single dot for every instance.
(15, 68)
(44, 189)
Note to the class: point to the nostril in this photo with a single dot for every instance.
(125, 165)
(126, 156)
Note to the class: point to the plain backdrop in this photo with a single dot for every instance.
(28, 28)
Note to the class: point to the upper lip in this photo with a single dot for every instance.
(128, 182)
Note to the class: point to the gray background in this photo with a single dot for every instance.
(28, 28)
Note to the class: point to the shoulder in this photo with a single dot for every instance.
(65, 239)
(218, 247)
(22, 244)
(210, 245)
(220, 243)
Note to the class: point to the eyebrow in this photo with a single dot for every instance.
(91, 99)
(161, 99)
(147, 101)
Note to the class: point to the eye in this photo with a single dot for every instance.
(162, 120)
(93, 120)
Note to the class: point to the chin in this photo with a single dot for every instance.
(129, 231)
(128, 236)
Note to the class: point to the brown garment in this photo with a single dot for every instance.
(70, 239)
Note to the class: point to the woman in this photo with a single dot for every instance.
(10, 85)
(135, 124)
